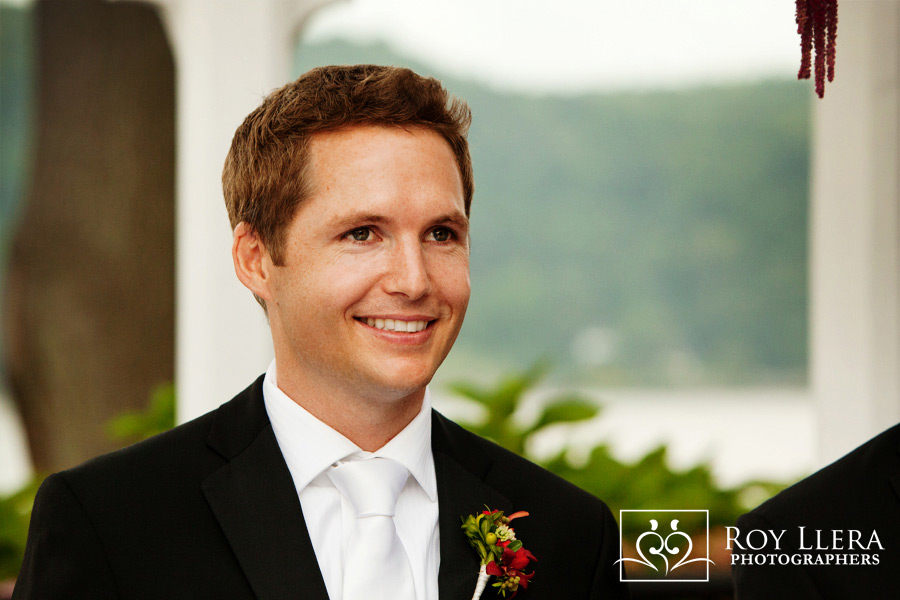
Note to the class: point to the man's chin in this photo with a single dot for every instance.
(398, 384)
(400, 390)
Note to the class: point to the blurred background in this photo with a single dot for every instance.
(684, 268)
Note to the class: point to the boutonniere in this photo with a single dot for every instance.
(501, 554)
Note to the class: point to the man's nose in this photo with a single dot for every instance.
(408, 272)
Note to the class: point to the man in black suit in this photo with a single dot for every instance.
(838, 532)
(349, 193)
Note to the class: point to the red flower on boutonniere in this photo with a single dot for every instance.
(510, 570)
(501, 554)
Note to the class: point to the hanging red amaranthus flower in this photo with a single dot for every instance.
(817, 25)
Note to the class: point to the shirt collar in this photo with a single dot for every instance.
(310, 446)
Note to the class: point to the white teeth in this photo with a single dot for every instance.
(397, 325)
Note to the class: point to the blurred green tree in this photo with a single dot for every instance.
(15, 511)
(648, 483)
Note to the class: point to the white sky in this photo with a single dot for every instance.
(571, 45)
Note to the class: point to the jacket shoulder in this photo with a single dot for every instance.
(858, 480)
(515, 476)
(181, 455)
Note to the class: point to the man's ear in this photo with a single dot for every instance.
(252, 263)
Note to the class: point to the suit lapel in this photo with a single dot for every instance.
(462, 490)
(254, 499)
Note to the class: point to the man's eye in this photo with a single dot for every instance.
(360, 234)
(442, 234)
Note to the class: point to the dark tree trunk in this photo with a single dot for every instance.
(90, 290)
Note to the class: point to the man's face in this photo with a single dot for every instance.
(375, 277)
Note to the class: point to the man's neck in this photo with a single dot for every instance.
(370, 423)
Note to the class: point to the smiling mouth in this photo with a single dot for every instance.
(395, 324)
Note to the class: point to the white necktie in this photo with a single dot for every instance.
(376, 566)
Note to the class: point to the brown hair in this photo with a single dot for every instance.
(266, 172)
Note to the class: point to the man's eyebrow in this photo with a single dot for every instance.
(355, 219)
(458, 219)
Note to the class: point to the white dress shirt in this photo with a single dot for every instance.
(310, 446)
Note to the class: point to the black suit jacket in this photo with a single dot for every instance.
(860, 491)
(209, 510)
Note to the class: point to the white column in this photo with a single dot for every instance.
(228, 55)
(855, 240)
